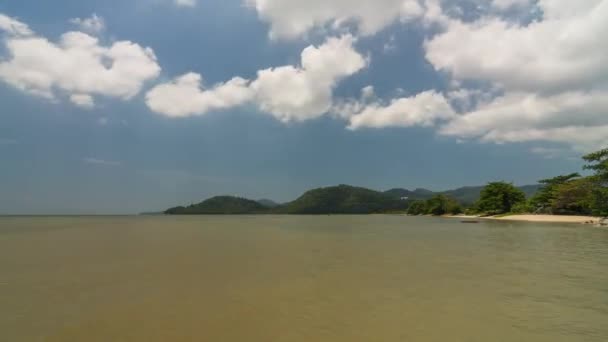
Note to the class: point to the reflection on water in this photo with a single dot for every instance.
(282, 278)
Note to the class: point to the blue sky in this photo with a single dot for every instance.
(128, 106)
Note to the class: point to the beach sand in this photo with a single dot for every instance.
(538, 218)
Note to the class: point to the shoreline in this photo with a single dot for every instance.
(537, 218)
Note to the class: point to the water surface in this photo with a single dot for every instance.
(292, 279)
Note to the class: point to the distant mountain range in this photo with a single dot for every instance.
(341, 199)
(466, 195)
(268, 203)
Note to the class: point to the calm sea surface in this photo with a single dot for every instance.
(292, 279)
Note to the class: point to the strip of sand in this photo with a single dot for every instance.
(539, 218)
(551, 218)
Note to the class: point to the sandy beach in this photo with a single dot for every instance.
(538, 218)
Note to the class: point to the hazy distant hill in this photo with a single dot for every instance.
(268, 203)
(227, 205)
(344, 199)
(418, 194)
(466, 195)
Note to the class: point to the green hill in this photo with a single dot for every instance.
(268, 203)
(466, 195)
(418, 194)
(344, 199)
(221, 205)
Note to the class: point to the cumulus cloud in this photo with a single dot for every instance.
(289, 93)
(83, 100)
(560, 52)
(13, 26)
(290, 19)
(77, 65)
(305, 92)
(93, 24)
(551, 74)
(424, 109)
(185, 96)
(577, 118)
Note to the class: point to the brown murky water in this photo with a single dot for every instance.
(291, 279)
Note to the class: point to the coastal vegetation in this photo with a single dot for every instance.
(570, 194)
(437, 205)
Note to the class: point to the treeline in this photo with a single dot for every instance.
(437, 205)
(570, 194)
(573, 194)
(342, 199)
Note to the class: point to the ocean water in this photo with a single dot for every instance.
(297, 278)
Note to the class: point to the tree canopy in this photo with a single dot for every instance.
(598, 162)
(499, 198)
(437, 205)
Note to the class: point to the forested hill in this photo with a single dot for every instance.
(341, 199)
(344, 199)
(220, 205)
(466, 195)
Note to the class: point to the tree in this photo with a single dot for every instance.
(499, 198)
(573, 198)
(417, 208)
(442, 205)
(542, 201)
(437, 205)
(598, 162)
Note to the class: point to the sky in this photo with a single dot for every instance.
(117, 107)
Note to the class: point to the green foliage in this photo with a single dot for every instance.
(499, 198)
(226, 205)
(573, 197)
(598, 162)
(437, 205)
(543, 200)
(344, 199)
(417, 208)
(522, 208)
(467, 195)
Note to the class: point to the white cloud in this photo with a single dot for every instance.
(101, 162)
(83, 100)
(77, 65)
(575, 118)
(185, 3)
(289, 93)
(93, 24)
(424, 109)
(300, 93)
(290, 19)
(557, 53)
(552, 74)
(184, 96)
(13, 26)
